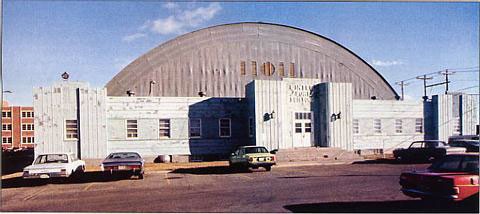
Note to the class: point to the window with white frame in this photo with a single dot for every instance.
(251, 127)
(355, 126)
(398, 126)
(71, 129)
(164, 128)
(308, 127)
(132, 129)
(456, 126)
(28, 140)
(377, 126)
(6, 140)
(27, 127)
(7, 127)
(27, 114)
(224, 127)
(419, 125)
(195, 125)
(6, 114)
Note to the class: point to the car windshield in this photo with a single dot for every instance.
(123, 155)
(52, 158)
(255, 150)
(456, 163)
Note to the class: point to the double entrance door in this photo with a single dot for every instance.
(302, 129)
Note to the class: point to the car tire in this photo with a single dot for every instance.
(268, 168)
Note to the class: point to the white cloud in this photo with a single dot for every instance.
(134, 36)
(185, 20)
(386, 63)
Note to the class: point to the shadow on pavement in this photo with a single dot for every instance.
(389, 161)
(404, 206)
(86, 177)
(211, 170)
(336, 176)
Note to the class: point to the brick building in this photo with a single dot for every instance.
(17, 127)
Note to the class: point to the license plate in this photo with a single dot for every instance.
(44, 176)
(122, 167)
(261, 159)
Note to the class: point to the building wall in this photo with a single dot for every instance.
(19, 137)
(468, 113)
(149, 110)
(70, 101)
(366, 111)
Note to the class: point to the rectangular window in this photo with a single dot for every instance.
(195, 127)
(292, 70)
(164, 128)
(6, 127)
(254, 68)
(242, 68)
(377, 126)
(28, 140)
(456, 126)
(6, 114)
(298, 127)
(251, 127)
(132, 129)
(71, 129)
(27, 127)
(27, 114)
(419, 125)
(225, 127)
(6, 140)
(308, 127)
(281, 69)
(303, 115)
(355, 126)
(398, 126)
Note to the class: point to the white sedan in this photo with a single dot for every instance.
(54, 165)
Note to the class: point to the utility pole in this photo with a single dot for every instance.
(424, 78)
(402, 83)
(446, 73)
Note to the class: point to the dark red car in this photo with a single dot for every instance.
(453, 177)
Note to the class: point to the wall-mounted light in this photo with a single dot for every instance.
(130, 93)
(268, 116)
(272, 114)
(202, 94)
(337, 116)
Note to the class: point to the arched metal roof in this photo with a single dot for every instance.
(220, 60)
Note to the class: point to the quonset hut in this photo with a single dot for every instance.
(204, 93)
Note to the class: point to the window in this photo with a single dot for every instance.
(303, 115)
(27, 127)
(6, 114)
(308, 127)
(355, 126)
(281, 69)
(27, 114)
(28, 140)
(254, 68)
(398, 126)
(419, 125)
(6, 127)
(132, 129)
(251, 127)
(292, 70)
(456, 126)
(298, 127)
(242, 68)
(6, 140)
(195, 127)
(377, 126)
(71, 129)
(164, 128)
(224, 126)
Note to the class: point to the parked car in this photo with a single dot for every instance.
(252, 156)
(469, 145)
(124, 162)
(54, 165)
(463, 137)
(425, 150)
(453, 177)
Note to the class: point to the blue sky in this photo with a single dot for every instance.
(94, 40)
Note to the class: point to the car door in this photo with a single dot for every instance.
(415, 151)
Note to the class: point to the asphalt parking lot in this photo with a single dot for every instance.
(371, 187)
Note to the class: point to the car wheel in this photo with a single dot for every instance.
(268, 168)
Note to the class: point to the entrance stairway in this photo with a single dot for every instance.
(318, 154)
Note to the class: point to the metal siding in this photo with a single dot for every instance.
(468, 114)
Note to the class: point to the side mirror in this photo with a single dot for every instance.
(274, 151)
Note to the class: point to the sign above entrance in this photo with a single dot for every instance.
(300, 93)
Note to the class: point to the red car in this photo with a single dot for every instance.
(453, 177)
